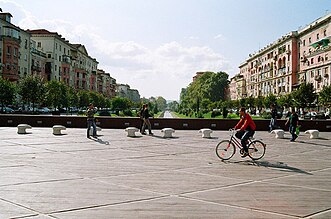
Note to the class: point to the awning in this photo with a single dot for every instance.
(322, 43)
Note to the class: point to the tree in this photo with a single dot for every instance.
(325, 96)
(32, 89)
(161, 103)
(84, 98)
(120, 103)
(285, 101)
(209, 86)
(304, 96)
(73, 99)
(7, 92)
(214, 85)
(173, 106)
(259, 102)
(56, 94)
(268, 100)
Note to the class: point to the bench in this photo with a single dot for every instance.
(206, 132)
(57, 129)
(21, 128)
(98, 130)
(167, 132)
(313, 133)
(131, 131)
(279, 133)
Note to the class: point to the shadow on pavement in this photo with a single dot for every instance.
(275, 165)
(314, 143)
(99, 140)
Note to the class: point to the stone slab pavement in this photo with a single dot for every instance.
(45, 176)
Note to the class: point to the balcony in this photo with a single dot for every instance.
(318, 78)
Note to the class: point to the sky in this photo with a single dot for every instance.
(157, 46)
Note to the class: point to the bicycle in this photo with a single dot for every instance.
(227, 148)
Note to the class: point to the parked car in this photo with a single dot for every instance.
(314, 115)
(44, 110)
(6, 109)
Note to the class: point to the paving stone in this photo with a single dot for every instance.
(9, 210)
(283, 199)
(49, 197)
(169, 207)
(69, 176)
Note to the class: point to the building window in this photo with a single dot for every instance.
(49, 55)
(309, 39)
(325, 33)
(312, 61)
(304, 42)
(8, 50)
(39, 44)
(15, 52)
(317, 36)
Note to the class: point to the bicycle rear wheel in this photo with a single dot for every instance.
(256, 149)
(225, 150)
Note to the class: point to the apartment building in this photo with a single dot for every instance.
(315, 53)
(280, 67)
(9, 47)
(51, 56)
(272, 69)
(106, 84)
(124, 90)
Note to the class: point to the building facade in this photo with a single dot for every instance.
(10, 43)
(124, 90)
(280, 67)
(315, 53)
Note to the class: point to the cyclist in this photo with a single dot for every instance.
(247, 129)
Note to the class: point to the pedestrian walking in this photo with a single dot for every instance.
(293, 121)
(273, 120)
(140, 114)
(147, 123)
(91, 121)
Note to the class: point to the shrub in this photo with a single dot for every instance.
(215, 113)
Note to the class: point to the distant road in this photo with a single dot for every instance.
(167, 114)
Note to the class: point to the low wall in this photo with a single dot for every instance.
(8, 120)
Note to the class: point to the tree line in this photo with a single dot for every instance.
(208, 94)
(33, 91)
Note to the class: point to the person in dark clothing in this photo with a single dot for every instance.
(140, 114)
(147, 123)
(247, 129)
(91, 121)
(293, 120)
(273, 120)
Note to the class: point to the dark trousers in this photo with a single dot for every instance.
(244, 135)
(292, 131)
(273, 124)
(91, 123)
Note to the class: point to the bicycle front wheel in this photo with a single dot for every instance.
(225, 150)
(256, 150)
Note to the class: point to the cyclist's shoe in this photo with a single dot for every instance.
(245, 154)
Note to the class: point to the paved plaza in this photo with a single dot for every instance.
(45, 176)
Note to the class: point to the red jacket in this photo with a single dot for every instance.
(245, 122)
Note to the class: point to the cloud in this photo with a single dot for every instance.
(219, 37)
(159, 71)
